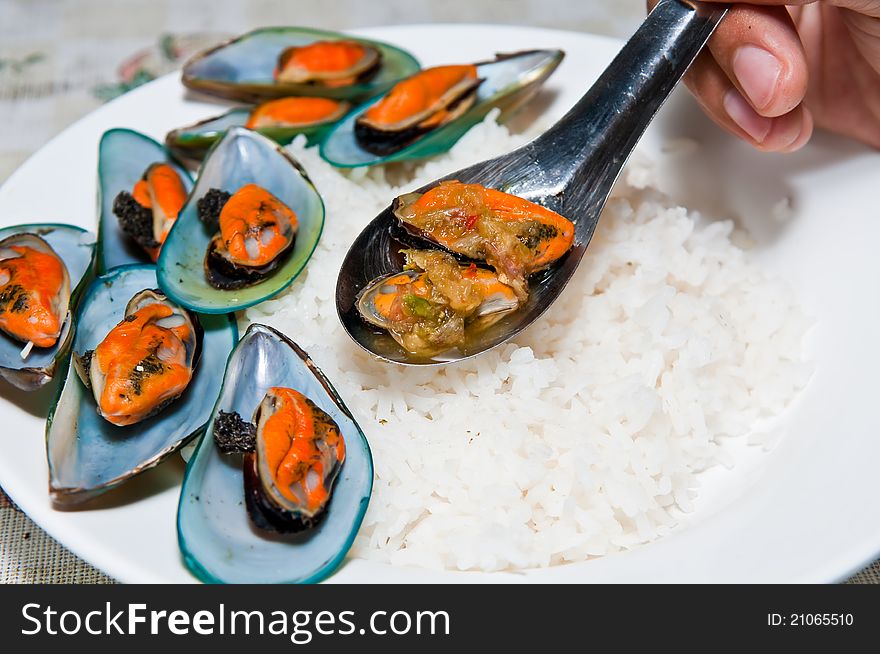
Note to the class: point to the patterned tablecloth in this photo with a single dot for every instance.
(60, 59)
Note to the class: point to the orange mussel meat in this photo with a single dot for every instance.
(422, 92)
(329, 63)
(256, 231)
(144, 362)
(416, 105)
(293, 452)
(34, 290)
(298, 447)
(296, 112)
(149, 211)
(255, 226)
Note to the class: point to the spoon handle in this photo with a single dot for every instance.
(581, 156)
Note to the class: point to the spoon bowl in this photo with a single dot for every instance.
(569, 169)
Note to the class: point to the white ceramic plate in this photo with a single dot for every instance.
(808, 511)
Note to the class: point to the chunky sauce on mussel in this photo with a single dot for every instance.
(436, 301)
(513, 235)
(428, 307)
(415, 106)
(256, 233)
(147, 214)
(296, 112)
(145, 362)
(293, 452)
(328, 63)
(34, 290)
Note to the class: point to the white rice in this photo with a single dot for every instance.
(583, 436)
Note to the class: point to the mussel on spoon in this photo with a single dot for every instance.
(570, 169)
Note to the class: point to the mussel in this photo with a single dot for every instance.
(515, 236)
(269, 217)
(145, 362)
(293, 452)
(300, 422)
(332, 64)
(432, 306)
(147, 213)
(141, 190)
(256, 232)
(427, 100)
(280, 120)
(88, 454)
(277, 62)
(425, 114)
(43, 267)
(34, 291)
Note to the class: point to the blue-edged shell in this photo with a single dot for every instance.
(241, 157)
(123, 156)
(508, 82)
(76, 247)
(88, 455)
(242, 69)
(216, 537)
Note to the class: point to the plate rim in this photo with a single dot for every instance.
(833, 569)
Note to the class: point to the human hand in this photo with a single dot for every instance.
(775, 68)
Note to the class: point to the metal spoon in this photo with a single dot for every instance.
(570, 169)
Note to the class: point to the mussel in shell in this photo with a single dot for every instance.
(34, 291)
(141, 192)
(32, 366)
(328, 63)
(513, 235)
(421, 103)
(267, 257)
(280, 120)
(88, 454)
(293, 452)
(427, 113)
(147, 213)
(256, 231)
(432, 306)
(263, 63)
(145, 362)
(309, 465)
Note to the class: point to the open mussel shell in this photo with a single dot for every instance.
(193, 141)
(217, 539)
(242, 69)
(123, 156)
(88, 455)
(76, 247)
(508, 81)
(240, 157)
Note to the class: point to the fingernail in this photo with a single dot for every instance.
(806, 132)
(741, 112)
(758, 73)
